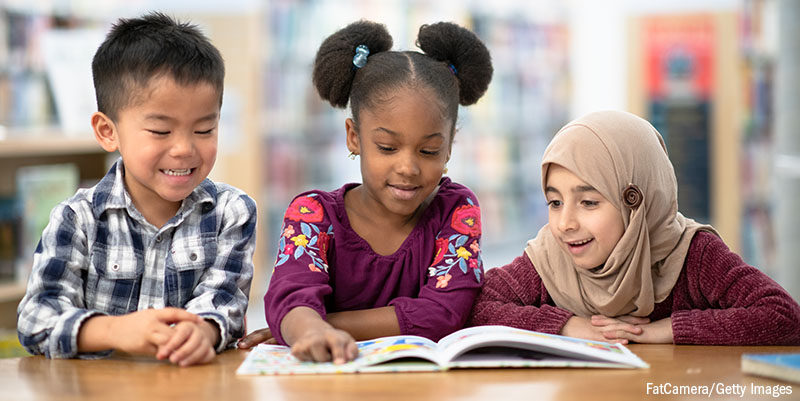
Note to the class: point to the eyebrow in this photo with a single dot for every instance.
(578, 189)
(164, 117)
(393, 133)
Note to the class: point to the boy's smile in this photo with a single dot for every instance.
(168, 143)
(586, 225)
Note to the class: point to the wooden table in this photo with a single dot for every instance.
(123, 378)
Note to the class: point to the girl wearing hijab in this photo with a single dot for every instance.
(617, 261)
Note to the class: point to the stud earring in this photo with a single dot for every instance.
(352, 156)
(445, 170)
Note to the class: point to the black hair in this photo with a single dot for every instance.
(139, 49)
(455, 66)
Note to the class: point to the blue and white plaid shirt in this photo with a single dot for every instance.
(99, 256)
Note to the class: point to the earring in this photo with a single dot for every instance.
(352, 156)
(445, 170)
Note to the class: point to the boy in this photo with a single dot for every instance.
(155, 259)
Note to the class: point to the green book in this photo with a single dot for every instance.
(39, 189)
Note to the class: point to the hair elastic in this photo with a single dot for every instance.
(453, 69)
(360, 59)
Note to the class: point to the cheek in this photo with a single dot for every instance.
(614, 229)
(552, 224)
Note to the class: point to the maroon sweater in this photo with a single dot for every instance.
(718, 299)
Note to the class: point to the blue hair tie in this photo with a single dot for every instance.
(452, 69)
(360, 59)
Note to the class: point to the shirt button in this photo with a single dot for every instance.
(158, 238)
(193, 256)
(115, 267)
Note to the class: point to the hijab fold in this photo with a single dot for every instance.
(612, 150)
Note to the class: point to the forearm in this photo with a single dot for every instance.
(368, 323)
(299, 321)
(96, 334)
(544, 318)
(739, 326)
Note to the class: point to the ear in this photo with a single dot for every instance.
(105, 131)
(353, 142)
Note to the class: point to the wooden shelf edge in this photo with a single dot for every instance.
(11, 291)
(47, 145)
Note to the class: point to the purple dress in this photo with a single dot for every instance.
(431, 280)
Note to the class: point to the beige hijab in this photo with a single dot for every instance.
(624, 158)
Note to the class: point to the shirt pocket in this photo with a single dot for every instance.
(188, 260)
(115, 279)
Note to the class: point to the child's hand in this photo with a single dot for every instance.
(191, 343)
(257, 337)
(141, 332)
(619, 329)
(598, 328)
(658, 332)
(324, 345)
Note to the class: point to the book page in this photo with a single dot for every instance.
(544, 346)
(387, 354)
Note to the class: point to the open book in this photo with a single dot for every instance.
(473, 347)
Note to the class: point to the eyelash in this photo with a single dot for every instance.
(587, 203)
(206, 132)
(388, 149)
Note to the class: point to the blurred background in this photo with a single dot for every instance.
(716, 77)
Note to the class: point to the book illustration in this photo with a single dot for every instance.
(784, 366)
(39, 190)
(474, 347)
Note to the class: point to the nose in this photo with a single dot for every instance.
(182, 146)
(567, 220)
(407, 164)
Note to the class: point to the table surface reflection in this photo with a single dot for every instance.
(125, 377)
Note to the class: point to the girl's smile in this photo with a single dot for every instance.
(404, 192)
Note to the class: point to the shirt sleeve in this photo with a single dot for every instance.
(732, 303)
(221, 295)
(53, 308)
(301, 275)
(454, 277)
(514, 295)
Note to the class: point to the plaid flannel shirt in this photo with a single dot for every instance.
(99, 256)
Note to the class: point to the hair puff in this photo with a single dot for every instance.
(453, 44)
(333, 66)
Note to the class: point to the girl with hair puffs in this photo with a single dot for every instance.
(398, 253)
(618, 262)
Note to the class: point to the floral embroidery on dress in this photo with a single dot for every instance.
(467, 219)
(305, 208)
(455, 250)
(311, 241)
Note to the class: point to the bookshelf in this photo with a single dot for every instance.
(32, 147)
(759, 50)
